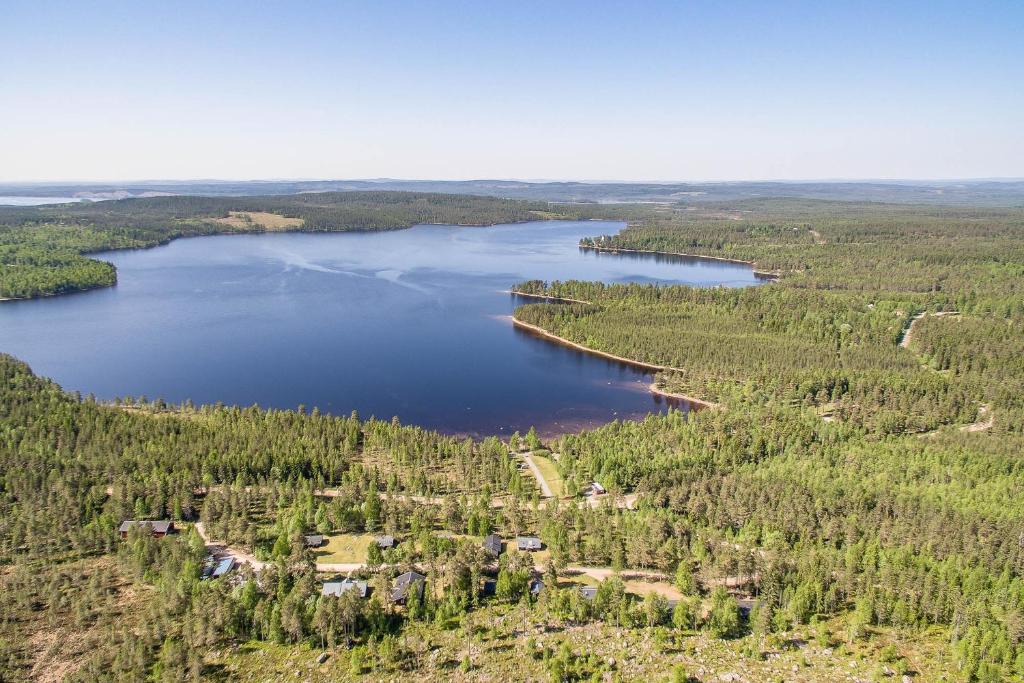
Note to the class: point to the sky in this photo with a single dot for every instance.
(655, 91)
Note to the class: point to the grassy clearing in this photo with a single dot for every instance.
(549, 471)
(249, 220)
(344, 548)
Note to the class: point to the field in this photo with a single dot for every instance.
(549, 471)
(247, 220)
(344, 548)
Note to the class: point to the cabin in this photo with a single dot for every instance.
(385, 542)
(223, 567)
(588, 592)
(405, 584)
(528, 543)
(313, 540)
(339, 588)
(596, 489)
(492, 544)
(746, 606)
(158, 529)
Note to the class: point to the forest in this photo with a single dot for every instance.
(850, 507)
(41, 248)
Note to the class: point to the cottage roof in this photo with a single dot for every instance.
(492, 544)
(156, 526)
(338, 588)
(528, 543)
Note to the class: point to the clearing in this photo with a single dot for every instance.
(544, 469)
(249, 220)
(344, 549)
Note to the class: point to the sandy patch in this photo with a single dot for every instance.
(249, 220)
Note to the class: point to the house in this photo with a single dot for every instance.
(339, 588)
(385, 542)
(492, 544)
(528, 543)
(223, 567)
(313, 540)
(409, 581)
(596, 489)
(746, 606)
(588, 592)
(158, 529)
(536, 586)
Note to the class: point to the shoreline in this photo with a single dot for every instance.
(4, 299)
(612, 250)
(546, 297)
(653, 388)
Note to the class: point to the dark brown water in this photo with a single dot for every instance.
(412, 323)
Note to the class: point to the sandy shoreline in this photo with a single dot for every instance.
(612, 250)
(546, 297)
(654, 389)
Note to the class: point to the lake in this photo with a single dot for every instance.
(412, 323)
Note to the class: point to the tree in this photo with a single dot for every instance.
(655, 609)
(683, 616)
(374, 556)
(532, 440)
(684, 580)
(724, 618)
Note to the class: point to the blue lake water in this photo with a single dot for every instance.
(412, 323)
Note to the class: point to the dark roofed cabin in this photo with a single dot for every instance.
(313, 540)
(588, 592)
(405, 583)
(158, 529)
(385, 542)
(492, 544)
(528, 543)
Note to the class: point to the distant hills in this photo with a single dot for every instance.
(967, 192)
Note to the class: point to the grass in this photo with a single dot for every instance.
(549, 471)
(635, 587)
(345, 548)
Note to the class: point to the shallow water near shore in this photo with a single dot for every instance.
(411, 323)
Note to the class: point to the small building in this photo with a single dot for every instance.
(223, 567)
(158, 529)
(406, 583)
(339, 588)
(536, 586)
(313, 540)
(596, 489)
(385, 542)
(528, 543)
(492, 544)
(588, 592)
(746, 606)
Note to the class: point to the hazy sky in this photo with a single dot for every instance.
(588, 90)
